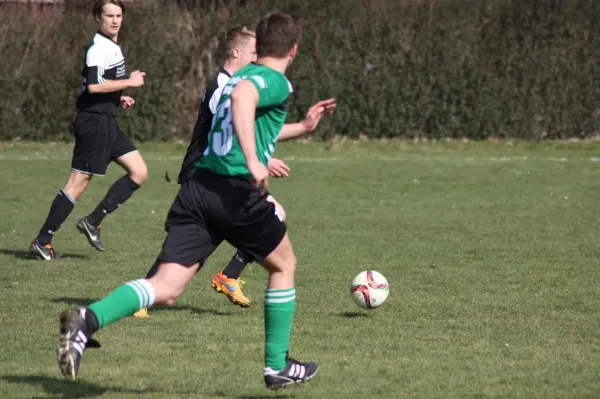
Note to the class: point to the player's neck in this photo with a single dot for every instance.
(231, 67)
(278, 64)
(111, 37)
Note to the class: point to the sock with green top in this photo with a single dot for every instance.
(123, 301)
(279, 312)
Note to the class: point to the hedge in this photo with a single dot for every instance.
(476, 69)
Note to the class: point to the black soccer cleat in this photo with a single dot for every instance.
(74, 340)
(45, 252)
(91, 233)
(293, 373)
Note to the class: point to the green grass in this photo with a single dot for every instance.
(491, 251)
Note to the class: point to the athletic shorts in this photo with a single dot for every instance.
(211, 208)
(98, 141)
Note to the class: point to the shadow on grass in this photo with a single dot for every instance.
(192, 309)
(25, 254)
(61, 388)
(352, 315)
(176, 308)
(275, 395)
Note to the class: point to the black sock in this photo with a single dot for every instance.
(59, 211)
(152, 270)
(117, 194)
(91, 322)
(236, 265)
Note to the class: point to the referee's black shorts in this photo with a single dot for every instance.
(211, 208)
(98, 141)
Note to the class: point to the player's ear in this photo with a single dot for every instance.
(293, 51)
(235, 53)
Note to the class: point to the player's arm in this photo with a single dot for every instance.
(244, 100)
(136, 79)
(291, 131)
(95, 61)
(310, 122)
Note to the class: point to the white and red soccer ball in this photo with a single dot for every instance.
(369, 289)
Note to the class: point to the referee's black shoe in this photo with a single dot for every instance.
(92, 233)
(45, 252)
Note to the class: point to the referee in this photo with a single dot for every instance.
(98, 138)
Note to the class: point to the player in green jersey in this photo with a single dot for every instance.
(226, 200)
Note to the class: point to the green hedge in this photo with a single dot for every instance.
(452, 68)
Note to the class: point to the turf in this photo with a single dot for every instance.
(491, 251)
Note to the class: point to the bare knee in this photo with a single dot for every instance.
(282, 259)
(135, 166)
(165, 293)
(288, 263)
(170, 280)
(77, 184)
(139, 174)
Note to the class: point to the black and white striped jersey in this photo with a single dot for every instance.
(210, 100)
(199, 141)
(103, 61)
(208, 107)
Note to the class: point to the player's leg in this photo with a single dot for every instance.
(143, 312)
(127, 156)
(89, 133)
(228, 280)
(78, 325)
(280, 304)
(187, 243)
(260, 231)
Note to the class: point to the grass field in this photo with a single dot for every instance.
(492, 252)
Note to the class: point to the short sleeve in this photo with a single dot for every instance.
(273, 89)
(94, 61)
(214, 100)
(94, 56)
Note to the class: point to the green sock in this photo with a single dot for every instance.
(123, 301)
(279, 312)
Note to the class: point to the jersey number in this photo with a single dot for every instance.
(223, 140)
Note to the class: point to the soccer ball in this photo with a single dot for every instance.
(369, 289)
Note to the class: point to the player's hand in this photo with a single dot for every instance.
(136, 79)
(127, 102)
(278, 168)
(260, 174)
(316, 112)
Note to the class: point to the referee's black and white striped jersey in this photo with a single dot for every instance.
(103, 61)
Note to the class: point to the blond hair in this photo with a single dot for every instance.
(235, 37)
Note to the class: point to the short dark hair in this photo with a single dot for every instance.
(276, 35)
(99, 5)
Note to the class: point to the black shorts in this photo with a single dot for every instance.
(98, 141)
(211, 208)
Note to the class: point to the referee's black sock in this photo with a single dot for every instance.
(59, 212)
(117, 194)
(236, 265)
